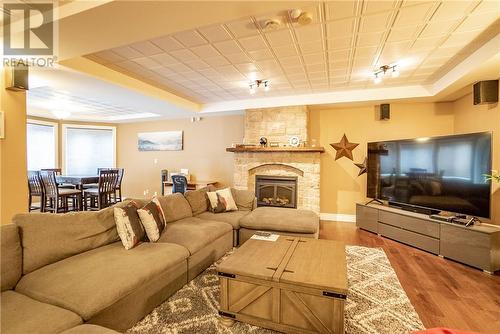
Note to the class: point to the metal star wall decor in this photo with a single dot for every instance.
(363, 167)
(344, 148)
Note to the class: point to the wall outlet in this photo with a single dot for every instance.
(155, 161)
(156, 193)
(146, 192)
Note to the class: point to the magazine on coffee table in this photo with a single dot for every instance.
(265, 236)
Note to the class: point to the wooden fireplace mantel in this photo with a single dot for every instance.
(258, 149)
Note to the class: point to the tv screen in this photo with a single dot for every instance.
(439, 173)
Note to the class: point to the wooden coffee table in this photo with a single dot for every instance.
(292, 285)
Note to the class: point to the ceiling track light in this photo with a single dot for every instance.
(258, 83)
(382, 71)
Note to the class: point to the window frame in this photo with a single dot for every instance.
(56, 136)
(65, 126)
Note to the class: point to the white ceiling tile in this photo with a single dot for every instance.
(253, 43)
(215, 33)
(403, 34)
(238, 58)
(290, 61)
(436, 28)
(449, 9)
(446, 51)
(164, 59)
(227, 47)
(285, 51)
(378, 6)
(167, 43)
(190, 38)
(369, 39)
(340, 28)
(342, 55)
(313, 47)
(246, 68)
(146, 62)
(242, 28)
(184, 55)
(340, 9)
(127, 52)
(366, 52)
(487, 6)
(460, 38)
(164, 71)
(427, 43)
(315, 67)
(179, 67)
(216, 61)
(310, 59)
(197, 64)
(478, 21)
(260, 54)
(375, 22)
(339, 43)
(415, 14)
(280, 37)
(309, 33)
(205, 51)
(147, 48)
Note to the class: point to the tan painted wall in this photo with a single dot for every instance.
(471, 118)
(340, 187)
(204, 152)
(13, 176)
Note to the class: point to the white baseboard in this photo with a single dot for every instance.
(337, 217)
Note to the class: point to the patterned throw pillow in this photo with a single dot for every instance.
(152, 220)
(228, 198)
(156, 201)
(221, 201)
(216, 201)
(128, 225)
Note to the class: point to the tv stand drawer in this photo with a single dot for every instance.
(410, 238)
(428, 228)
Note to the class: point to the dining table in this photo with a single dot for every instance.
(77, 180)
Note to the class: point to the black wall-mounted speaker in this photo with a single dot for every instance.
(18, 79)
(385, 111)
(486, 92)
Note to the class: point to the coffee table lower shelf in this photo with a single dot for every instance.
(283, 307)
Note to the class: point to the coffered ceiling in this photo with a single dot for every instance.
(338, 50)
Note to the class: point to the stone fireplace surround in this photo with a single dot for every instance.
(278, 124)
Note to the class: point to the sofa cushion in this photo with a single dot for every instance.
(92, 281)
(21, 314)
(175, 207)
(47, 238)
(89, 329)
(197, 200)
(245, 199)
(129, 225)
(281, 219)
(11, 264)
(230, 217)
(194, 233)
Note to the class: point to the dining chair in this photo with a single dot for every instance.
(179, 184)
(164, 178)
(102, 196)
(57, 197)
(35, 188)
(58, 171)
(118, 187)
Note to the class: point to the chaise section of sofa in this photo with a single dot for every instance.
(21, 314)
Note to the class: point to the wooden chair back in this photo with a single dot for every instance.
(35, 185)
(107, 181)
(164, 178)
(57, 171)
(179, 184)
(49, 183)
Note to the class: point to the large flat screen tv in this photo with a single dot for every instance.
(437, 173)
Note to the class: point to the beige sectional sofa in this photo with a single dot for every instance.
(69, 273)
(59, 271)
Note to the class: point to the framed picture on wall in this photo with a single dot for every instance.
(2, 125)
(160, 141)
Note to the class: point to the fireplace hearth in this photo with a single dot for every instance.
(277, 191)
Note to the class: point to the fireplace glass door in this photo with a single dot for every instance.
(277, 191)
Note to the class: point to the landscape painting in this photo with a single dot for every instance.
(160, 141)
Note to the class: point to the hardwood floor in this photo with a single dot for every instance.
(444, 293)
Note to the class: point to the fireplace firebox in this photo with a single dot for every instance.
(277, 191)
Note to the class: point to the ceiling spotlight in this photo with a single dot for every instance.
(256, 84)
(379, 73)
(302, 18)
(272, 24)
